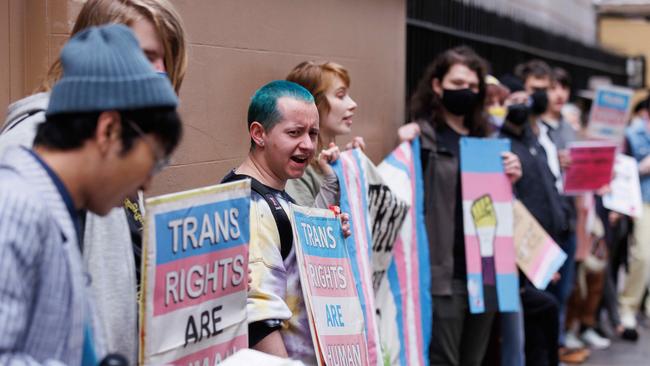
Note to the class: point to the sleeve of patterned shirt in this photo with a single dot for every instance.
(20, 253)
(266, 298)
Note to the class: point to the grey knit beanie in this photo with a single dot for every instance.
(104, 69)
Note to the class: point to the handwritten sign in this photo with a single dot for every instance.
(336, 319)
(590, 168)
(538, 256)
(609, 113)
(492, 280)
(625, 195)
(195, 275)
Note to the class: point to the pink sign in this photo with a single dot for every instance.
(591, 166)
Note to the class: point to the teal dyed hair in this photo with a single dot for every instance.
(264, 106)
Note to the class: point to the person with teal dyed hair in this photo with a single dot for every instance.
(283, 125)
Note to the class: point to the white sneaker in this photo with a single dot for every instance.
(594, 340)
(571, 341)
(628, 320)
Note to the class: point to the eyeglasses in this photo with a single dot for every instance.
(162, 160)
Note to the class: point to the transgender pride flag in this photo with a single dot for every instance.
(492, 280)
(406, 288)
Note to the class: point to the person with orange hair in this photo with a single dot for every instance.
(329, 83)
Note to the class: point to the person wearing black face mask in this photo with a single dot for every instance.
(459, 102)
(538, 101)
(536, 190)
(449, 104)
(537, 77)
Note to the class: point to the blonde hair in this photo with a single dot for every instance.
(317, 77)
(161, 13)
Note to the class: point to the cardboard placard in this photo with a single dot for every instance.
(492, 279)
(538, 256)
(195, 275)
(335, 316)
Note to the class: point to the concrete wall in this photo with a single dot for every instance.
(31, 34)
(235, 47)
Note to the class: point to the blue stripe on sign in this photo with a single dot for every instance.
(612, 99)
(351, 240)
(396, 290)
(508, 292)
(201, 229)
(553, 267)
(364, 197)
(320, 236)
(423, 251)
(475, 296)
(392, 160)
(482, 155)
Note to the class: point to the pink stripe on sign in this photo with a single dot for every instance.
(214, 354)
(330, 277)
(414, 286)
(194, 280)
(474, 186)
(400, 261)
(407, 279)
(550, 256)
(504, 254)
(344, 350)
(545, 251)
(359, 214)
(472, 254)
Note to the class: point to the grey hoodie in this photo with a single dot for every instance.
(107, 254)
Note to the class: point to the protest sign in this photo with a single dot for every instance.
(538, 256)
(335, 316)
(492, 280)
(404, 294)
(609, 113)
(249, 356)
(590, 168)
(195, 264)
(625, 195)
(355, 171)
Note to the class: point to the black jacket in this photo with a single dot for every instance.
(536, 188)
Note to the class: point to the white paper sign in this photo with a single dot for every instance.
(625, 196)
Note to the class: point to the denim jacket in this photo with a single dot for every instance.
(638, 138)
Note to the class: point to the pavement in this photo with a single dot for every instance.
(624, 352)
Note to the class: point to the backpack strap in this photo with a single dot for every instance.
(281, 219)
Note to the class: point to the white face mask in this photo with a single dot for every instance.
(497, 120)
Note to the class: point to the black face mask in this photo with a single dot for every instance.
(518, 114)
(539, 101)
(459, 101)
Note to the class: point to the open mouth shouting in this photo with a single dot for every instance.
(300, 159)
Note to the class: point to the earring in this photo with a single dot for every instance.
(262, 143)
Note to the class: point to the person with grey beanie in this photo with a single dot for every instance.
(111, 125)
